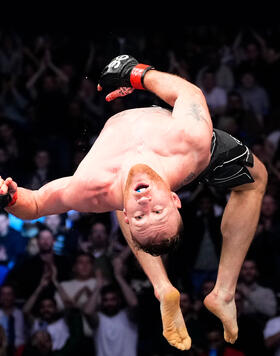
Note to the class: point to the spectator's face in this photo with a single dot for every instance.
(42, 159)
(248, 80)
(185, 303)
(99, 236)
(248, 273)
(6, 132)
(110, 303)
(268, 206)
(47, 309)
(3, 156)
(252, 51)
(206, 205)
(234, 102)
(271, 55)
(208, 81)
(45, 241)
(83, 268)
(4, 224)
(7, 296)
(42, 341)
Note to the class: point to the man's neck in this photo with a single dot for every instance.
(146, 158)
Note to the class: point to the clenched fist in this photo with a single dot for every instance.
(8, 192)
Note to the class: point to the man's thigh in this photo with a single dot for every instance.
(230, 160)
(258, 173)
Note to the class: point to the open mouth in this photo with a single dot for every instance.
(140, 188)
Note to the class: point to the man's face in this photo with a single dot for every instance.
(248, 272)
(7, 296)
(110, 303)
(42, 159)
(83, 267)
(47, 309)
(42, 340)
(234, 102)
(150, 207)
(98, 235)
(45, 241)
(185, 303)
(269, 206)
(248, 80)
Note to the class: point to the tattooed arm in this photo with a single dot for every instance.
(189, 105)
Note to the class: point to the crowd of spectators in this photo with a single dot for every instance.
(69, 285)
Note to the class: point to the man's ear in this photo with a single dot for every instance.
(176, 200)
(125, 216)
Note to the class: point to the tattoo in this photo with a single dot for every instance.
(197, 112)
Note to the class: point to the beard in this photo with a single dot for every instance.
(111, 311)
(142, 173)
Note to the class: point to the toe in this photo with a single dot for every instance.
(187, 343)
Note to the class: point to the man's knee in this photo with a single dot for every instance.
(260, 176)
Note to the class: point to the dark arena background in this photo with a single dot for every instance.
(51, 114)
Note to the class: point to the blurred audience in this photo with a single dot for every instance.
(98, 245)
(265, 248)
(37, 265)
(216, 97)
(250, 330)
(42, 172)
(115, 322)
(11, 319)
(51, 114)
(257, 299)
(81, 286)
(272, 335)
(12, 243)
(217, 346)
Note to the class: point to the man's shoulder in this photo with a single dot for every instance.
(263, 289)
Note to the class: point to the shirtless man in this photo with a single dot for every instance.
(141, 157)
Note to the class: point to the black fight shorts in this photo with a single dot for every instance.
(228, 164)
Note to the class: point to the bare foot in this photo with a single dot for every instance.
(225, 310)
(174, 328)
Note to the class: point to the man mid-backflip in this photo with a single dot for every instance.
(141, 157)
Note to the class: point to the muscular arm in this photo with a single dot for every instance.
(188, 102)
(50, 199)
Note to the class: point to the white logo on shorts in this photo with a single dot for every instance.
(236, 140)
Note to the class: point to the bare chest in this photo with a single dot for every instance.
(129, 140)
